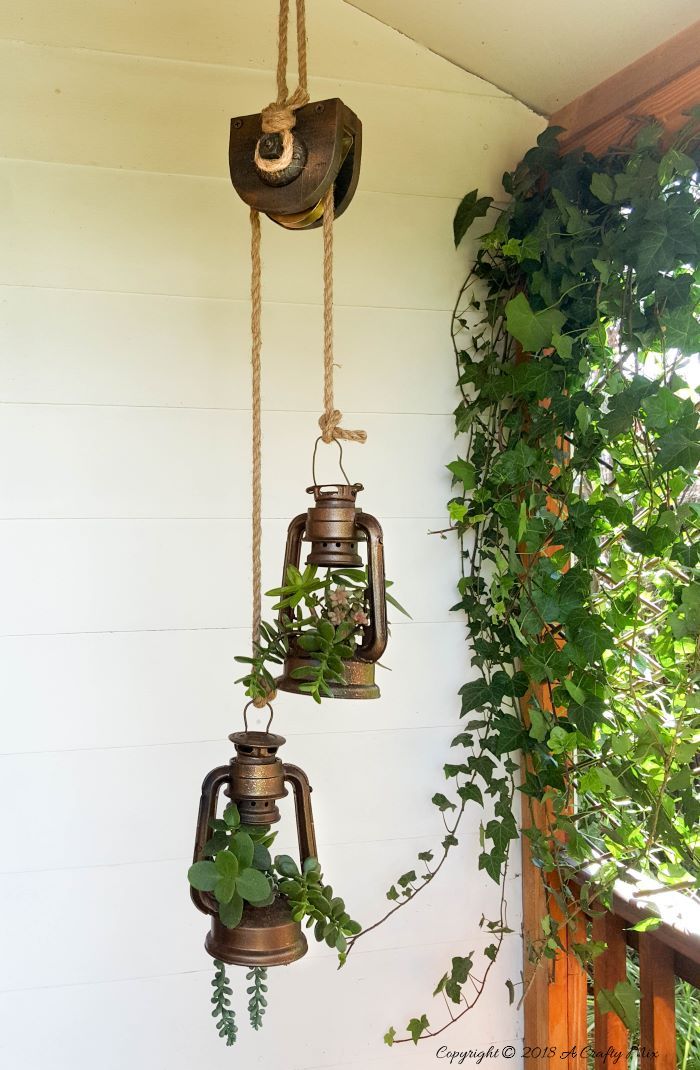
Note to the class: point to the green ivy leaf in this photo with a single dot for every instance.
(510, 735)
(533, 330)
(577, 693)
(475, 696)
(442, 803)
(493, 864)
(389, 1036)
(470, 793)
(416, 1026)
(646, 925)
(502, 832)
(603, 187)
(464, 472)
(677, 449)
(471, 207)
(622, 1000)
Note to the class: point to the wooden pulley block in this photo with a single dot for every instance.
(327, 145)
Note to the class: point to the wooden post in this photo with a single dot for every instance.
(658, 1007)
(608, 969)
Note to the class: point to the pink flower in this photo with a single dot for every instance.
(336, 616)
(339, 596)
(360, 617)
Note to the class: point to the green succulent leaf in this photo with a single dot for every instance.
(252, 885)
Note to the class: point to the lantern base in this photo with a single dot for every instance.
(359, 678)
(265, 936)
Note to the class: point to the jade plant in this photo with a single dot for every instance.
(238, 868)
(323, 612)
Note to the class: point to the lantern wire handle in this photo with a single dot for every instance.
(245, 715)
(340, 460)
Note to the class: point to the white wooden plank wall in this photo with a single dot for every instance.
(124, 538)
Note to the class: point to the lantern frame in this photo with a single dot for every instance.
(255, 778)
(335, 526)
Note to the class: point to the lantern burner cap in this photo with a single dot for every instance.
(258, 745)
(330, 526)
(336, 492)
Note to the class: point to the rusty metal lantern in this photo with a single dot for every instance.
(255, 779)
(336, 528)
(326, 151)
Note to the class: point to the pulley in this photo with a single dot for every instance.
(323, 150)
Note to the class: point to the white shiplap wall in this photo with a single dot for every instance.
(124, 536)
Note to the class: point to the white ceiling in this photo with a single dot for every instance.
(545, 52)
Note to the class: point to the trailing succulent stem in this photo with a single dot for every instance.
(577, 511)
(226, 1025)
(239, 869)
(323, 615)
(310, 898)
(257, 1004)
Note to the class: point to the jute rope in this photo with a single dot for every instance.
(278, 117)
(256, 420)
(329, 422)
(256, 349)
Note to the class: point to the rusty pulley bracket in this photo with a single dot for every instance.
(327, 150)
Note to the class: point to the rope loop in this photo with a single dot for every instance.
(279, 117)
(329, 421)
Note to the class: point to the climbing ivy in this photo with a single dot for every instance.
(577, 512)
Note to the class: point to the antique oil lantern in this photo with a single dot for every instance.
(336, 529)
(255, 779)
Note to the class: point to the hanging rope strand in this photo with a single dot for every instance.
(256, 349)
(282, 52)
(279, 117)
(329, 422)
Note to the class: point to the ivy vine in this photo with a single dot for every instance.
(577, 512)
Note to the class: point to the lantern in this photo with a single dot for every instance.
(325, 151)
(255, 779)
(336, 528)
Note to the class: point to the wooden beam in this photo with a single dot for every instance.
(608, 969)
(657, 1033)
(664, 84)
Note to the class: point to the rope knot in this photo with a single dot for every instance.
(261, 703)
(329, 423)
(277, 118)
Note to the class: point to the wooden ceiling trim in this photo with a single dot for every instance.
(664, 84)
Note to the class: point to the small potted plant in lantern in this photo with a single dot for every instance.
(257, 903)
(332, 625)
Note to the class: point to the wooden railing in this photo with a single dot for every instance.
(558, 1009)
